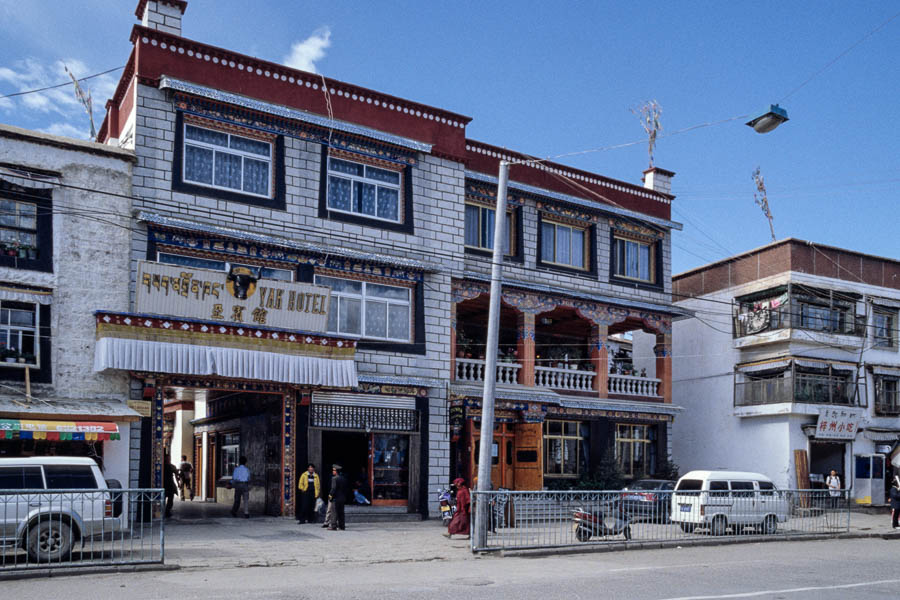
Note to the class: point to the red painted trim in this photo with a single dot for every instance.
(118, 96)
(614, 192)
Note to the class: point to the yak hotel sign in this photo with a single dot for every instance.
(236, 296)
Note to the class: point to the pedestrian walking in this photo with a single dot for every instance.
(895, 503)
(170, 486)
(310, 488)
(834, 487)
(240, 481)
(460, 522)
(338, 495)
(186, 470)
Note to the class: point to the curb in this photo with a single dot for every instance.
(71, 571)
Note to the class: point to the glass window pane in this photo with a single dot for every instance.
(191, 261)
(333, 314)
(364, 198)
(487, 228)
(21, 318)
(27, 222)
(343, 166)
(376, 319)
(344, 286)
(388, 203)
(548, 241)
(555, 427)
(228, 170)
(644, 270)
(578, 248)
(386, 291)
(252, 146)
(509, 234)
(338, 193)
(472, 226)
(398, 322)
(350, 316)
(256, 177)
(207, 136)
(571, 456)
(563, 245)
(279, 274)
(198, 164)
(383, 175)
(70, 477)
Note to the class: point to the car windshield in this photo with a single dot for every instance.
(689, 485)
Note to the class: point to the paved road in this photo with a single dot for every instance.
(832, 569)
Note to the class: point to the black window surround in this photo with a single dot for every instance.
(276, 201)
(518, 238)
(590, 231)
(406, 224)
(43, 199)
(42, 374)
(655, 247)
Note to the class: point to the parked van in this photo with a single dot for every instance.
(722, 499)
(77, 505)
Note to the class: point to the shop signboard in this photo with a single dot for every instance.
(236, 296)
(838, 423)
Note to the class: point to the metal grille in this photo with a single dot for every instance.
(334, 416)
(532, 520)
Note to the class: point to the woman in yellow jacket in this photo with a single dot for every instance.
(310, 487)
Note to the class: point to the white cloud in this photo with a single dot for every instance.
(304, 54)
(67, 130)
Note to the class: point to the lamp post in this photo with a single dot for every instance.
(768, 120)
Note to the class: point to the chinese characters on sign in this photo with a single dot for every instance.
(837, 423)
(235, 297)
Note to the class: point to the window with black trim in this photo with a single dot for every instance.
(634, 258)
(197, 262)
(26, 228)
(365, 190)
(373, 311)
(19, 333)
(884, 324)
(565, 244)
(228, 162)
(887, 395)
(479, 228)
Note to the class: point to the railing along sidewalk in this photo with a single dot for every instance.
(548, 519)
(42, 529)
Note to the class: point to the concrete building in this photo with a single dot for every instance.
(790, 367)
(64, 243)
(255, 177)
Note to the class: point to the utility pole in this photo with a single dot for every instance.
(482, 508)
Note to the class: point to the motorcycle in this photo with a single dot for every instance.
(587, 524)
(447, 504)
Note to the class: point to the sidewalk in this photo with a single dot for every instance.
(205, 536)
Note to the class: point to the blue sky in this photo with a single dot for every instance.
(549, 78)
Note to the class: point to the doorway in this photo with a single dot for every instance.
(377, 464)
(825, 456)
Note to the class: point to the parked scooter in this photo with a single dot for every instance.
(447, 503)
(613, 522)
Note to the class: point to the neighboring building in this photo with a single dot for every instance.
(64, 243)
(791, 366)
(254, 178)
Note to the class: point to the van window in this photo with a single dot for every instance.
(742, 489)
(70, 477)
(21, 478)
(689, 485)
(718, 489)
(766, 488)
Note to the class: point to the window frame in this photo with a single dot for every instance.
(890, 328)
(363, 179)
(588, 239)
(228, 150)
(158, 254)
(562, 437)
(363, 297)
(7, 329)
(618, 257)
(275, 199)
(646, 441)
(890, 407)
(656, 260)
(43, 232)
(511, 230)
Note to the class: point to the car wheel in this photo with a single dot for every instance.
(49, 541)
(582, 534)
(770, 525)
(687, 527)
(719, 525)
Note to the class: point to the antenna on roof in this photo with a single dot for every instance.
(648, 113)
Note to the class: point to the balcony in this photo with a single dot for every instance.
(471, 370)
(568, 379)
(632, 385)
(801, 388)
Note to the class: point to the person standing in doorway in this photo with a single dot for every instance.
(187, 478)
(895, 503)
(834, 487)
(240, 481)
(169, 484)
(338, 495)
(310, 487)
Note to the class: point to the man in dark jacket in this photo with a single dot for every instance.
(339, 493)
(895, 503)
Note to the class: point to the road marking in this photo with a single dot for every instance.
(789, 591)
(687, 566)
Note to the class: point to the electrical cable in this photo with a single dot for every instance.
(59, 85)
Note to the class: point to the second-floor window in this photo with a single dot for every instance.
(364, 190)
(564, 244)
(19, 341)
(226, 161)
(368, 310)
(480, 224)
(887, 395)
(884, 325)
(18, 229)
(634, 259)
(221, 265)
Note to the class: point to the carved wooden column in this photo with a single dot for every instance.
(600, 359)
(663, 351)
(525, 347)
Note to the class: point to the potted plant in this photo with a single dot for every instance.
(23, 251)
(29, 358)
(9, 355)
(32, 253)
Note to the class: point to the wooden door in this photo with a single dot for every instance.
(527, 465)
(197, 461)
(502, 453)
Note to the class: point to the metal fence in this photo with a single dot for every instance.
(42, 529)
(532, 520)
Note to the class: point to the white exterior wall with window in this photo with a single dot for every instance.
(715, 433)
(88, 269)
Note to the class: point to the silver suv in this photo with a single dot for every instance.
(49, 504)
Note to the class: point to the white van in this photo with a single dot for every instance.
(722, 499)
(49, 524)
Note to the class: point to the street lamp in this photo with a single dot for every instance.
(769, 120)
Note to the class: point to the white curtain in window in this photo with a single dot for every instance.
(256, 177)
(548, 241)
(228, 170)
(487, 228)
(472, 225)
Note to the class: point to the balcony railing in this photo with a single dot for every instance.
(842, 322)
(812, 389)
(630, 385)
(472, 369)
(564, 379)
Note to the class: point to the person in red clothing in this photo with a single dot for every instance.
(460, 522)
